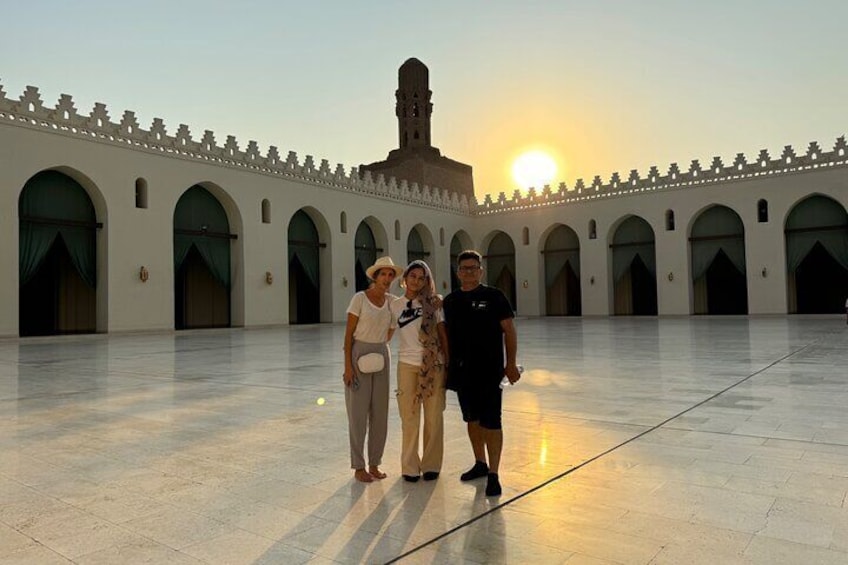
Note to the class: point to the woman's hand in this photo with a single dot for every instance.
(348, 376)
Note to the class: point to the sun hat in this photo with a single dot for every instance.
(383, 263)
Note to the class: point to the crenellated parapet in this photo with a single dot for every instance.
(30, 112)
(695, 175)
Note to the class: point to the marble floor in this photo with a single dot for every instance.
(644, 441)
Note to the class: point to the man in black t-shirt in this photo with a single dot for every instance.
(480, 331)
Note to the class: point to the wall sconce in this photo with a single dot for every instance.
(525, 284)
(765, 272)
(143, 274)
(592, 279)
(344, 282)
(670, 276)
(269, 278)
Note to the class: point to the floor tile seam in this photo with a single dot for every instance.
(753, 436)
(606, 452)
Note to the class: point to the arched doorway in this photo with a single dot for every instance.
(817, 256)
(57, 257)
(304, 273)
(562, 273)
(415, 248)
(719, 281)
(202, 279)
(365, 248)
(500, 265)
(459, 243)
(634, 269)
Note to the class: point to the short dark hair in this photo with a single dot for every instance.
(469, 254)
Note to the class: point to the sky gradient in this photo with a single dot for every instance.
(602, 86)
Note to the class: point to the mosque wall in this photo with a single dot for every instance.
(107, 159)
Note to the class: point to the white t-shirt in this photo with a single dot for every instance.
(406, 321)
(373, 324)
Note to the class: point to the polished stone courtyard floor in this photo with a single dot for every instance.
(645, 441)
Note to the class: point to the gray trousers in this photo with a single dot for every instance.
(368, 408)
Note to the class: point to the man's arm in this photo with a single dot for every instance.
(511, 345)
(442, 330)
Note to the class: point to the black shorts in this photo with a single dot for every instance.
(480, 401)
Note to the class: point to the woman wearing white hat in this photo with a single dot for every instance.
(366, 372)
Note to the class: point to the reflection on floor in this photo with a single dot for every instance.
(701, 440)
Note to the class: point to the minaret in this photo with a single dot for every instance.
(413, 107)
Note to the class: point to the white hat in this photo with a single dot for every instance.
(383, 263)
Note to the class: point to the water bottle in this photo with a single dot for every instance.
(505, 381)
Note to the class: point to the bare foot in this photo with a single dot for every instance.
(363, 476)
(375, 472)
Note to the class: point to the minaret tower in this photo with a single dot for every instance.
(413, 107)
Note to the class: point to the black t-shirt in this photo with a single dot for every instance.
(475, 336)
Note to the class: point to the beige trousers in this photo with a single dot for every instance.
(410, 418)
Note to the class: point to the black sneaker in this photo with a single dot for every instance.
(493, 485)
(431, 475)
(410, 478)
(478, 471)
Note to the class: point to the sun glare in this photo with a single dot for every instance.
(534, 168)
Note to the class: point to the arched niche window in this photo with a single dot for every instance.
(762, 211)
(266, 211)
(416, 136)
(343, 222)
(140, 193)
(525, 235)
(397, 230)
(593, 229)
(442, 237)
(669, 220)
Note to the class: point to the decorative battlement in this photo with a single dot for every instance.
(696, 175)
(30, 112)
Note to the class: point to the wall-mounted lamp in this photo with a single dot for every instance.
(592, 279)
(344, 282)
(269, 278)
(765, 272)
(143, 274)
(525, 284)
(670, 276)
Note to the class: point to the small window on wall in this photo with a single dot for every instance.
(593, 229)
(343, 222)
(266, 212)
(525, 236)
(397, 230)
(140, 193)
(762, 211)
(442, 237)
(669, 220)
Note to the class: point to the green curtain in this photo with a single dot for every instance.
(727, 233)
(366, 246)
(816, 212)
(501, 255)
(199, 211)
(415, 247)
(53, 196)
(633, 230)
(304, 244)
(561, 247)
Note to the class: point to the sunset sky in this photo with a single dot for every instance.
(601, 86)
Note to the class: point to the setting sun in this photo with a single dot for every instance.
(534, 168)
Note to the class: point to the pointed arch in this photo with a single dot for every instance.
(634, 278)
(459, 243)
(308, 267)
(561, 252)
(717, 262)
(500, 264)
(370, 242)
(816, 239)
(58, 267)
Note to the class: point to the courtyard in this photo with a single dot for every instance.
(629, 440)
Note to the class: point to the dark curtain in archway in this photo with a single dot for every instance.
(57, 257)
(201, 261)
(365, 248)
(304, 279)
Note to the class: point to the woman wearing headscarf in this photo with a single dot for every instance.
(419, 322)
(366, 369)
